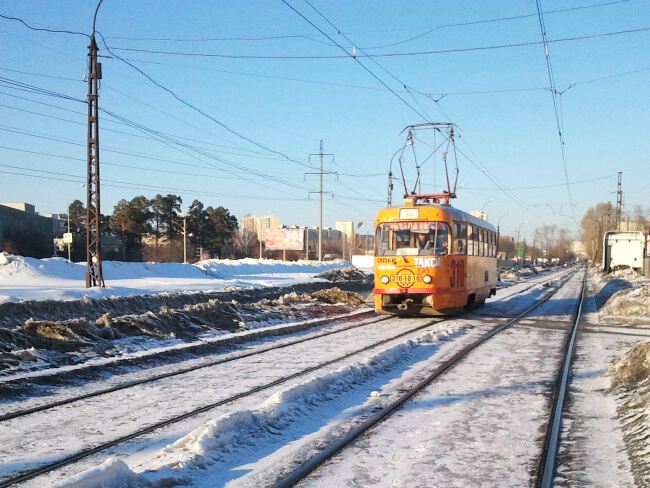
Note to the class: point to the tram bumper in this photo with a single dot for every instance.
(405, 303)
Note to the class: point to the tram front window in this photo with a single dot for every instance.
(412, 239)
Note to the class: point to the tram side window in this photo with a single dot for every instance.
(493, 252)
(485, 242)
(460, 238)
(481, 237)
(470, 240)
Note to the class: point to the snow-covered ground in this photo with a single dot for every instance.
(56, 279)
(243, 441)
(480, 424)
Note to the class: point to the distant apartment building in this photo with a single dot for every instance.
(25, 232)
(346, 228)
(258, 225)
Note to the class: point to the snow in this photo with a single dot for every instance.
(23, 278)
(113, 473)
(480, 424)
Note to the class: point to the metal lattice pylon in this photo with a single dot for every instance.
(94, 272)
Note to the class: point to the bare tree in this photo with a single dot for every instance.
(243, 242)
(593, 226)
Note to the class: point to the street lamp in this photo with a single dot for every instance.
(184, 215)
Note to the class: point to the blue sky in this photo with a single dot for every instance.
(498, 98)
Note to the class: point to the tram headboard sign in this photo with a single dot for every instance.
(409, 213)
(285, 239)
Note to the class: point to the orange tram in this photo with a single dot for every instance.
(432, 259)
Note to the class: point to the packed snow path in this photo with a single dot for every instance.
(106, 417)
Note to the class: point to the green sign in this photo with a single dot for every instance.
(520, 252)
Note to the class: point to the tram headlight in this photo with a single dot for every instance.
(426, 279)
(385, 279)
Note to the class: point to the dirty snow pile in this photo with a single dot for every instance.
(622, 293)
(631, 383)
(632, 302)
(37, 343)
(24, 278)
(349, 274)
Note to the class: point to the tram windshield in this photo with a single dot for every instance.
(412, 239)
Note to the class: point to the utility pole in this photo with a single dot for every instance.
(184, 238)
(389, 200)
(69, 250)
(320, 225)
(321, 156)
(619, 200)
(94, 271)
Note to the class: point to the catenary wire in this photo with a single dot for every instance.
(554, 96)
(491, 47)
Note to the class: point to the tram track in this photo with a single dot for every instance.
(339, 444)
(68, 460)
(546, 469)
(178, 372)
(292, 328)
(84, 453)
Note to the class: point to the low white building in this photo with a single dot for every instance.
(623, 248)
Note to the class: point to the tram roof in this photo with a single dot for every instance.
(456, 214)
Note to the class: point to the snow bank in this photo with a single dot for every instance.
(112, 473)
(225, 437)
(23, 278)
(632, 369)
(631, 382)
(634, 302)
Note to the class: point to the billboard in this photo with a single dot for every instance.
(285, 239)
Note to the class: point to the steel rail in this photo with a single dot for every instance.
(303, 470)
(130, 384)
(65, 461)
(546, 468)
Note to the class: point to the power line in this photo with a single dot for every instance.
(347, 55)
(135, 186)
(554, 96)
(53, 77)
(171, 92)
(161, 136)
(388, 55)
(198, 110)
(134, 167)
(442, 93)
(426, 115)
(302, 36)
(539, 187)
(218, 39)
(492, 20)
(129, 134)
(42, 29)
(238, 148)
